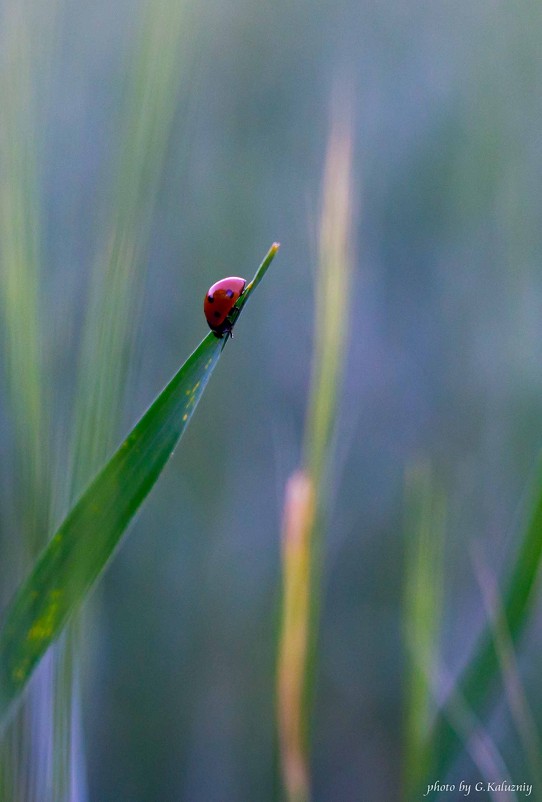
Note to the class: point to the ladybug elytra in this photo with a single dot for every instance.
(219, 302)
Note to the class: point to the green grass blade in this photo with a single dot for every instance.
(481, 671)
(88, 537)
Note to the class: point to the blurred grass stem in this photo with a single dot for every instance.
(515, 694)
(477, 679)
(154, 78)
(306, 490)
(25, 751)
(425, 527)
(297, 527)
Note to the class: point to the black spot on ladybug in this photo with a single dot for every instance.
(217, 314)
(210, 299)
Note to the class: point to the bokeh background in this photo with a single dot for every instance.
(191, 136)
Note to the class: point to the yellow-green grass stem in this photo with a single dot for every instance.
(306, 495)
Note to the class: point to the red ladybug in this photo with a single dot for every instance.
(220, 301)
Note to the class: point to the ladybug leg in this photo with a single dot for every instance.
(228, 330)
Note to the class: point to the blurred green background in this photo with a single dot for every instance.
(186, 138)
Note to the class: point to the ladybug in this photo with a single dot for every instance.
(219, 302)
